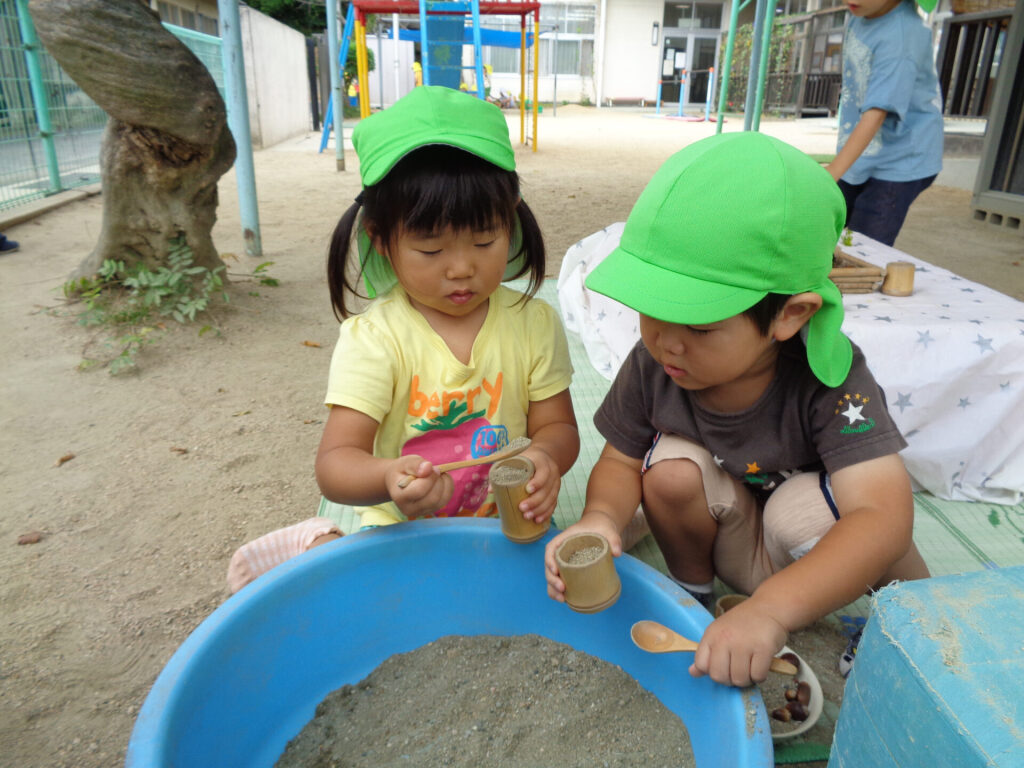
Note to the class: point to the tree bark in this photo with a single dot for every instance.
(166, 142)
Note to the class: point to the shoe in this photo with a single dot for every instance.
(8, 246)
(850, 654)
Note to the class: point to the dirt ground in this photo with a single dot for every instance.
(212, 441)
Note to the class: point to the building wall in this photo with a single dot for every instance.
(630, 62)
(276, 78)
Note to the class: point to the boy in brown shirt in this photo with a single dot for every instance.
(744, 422)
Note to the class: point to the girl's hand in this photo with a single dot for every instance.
(592, 522)
(738, 647)
(543, 486)
(423, 496)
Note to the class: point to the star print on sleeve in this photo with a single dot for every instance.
(857, 422)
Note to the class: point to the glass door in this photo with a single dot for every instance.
(704, 51)
(674, 61)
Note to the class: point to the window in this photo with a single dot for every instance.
(708, 16)
(566, 40)
(169, 13)
(568, 19)
(692, 15)
(207, 25)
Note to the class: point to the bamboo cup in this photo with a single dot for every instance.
(509, 478)
(725, 602)
(899, 278)
(586, 566)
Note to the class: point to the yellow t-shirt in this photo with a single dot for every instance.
(391, 365)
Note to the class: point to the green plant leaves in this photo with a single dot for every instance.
(131, 299)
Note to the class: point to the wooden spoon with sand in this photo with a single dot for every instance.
(517, 446)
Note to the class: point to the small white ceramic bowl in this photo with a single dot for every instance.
(804, 675)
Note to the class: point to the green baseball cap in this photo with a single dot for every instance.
(724, 222)
(431, 114)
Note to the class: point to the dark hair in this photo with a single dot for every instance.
(428, 190)
(766, 310)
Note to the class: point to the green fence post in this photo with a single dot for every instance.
(42, 105)
(723, 88)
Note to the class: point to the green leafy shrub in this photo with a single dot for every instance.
(133, 303)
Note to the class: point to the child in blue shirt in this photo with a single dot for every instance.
(890, 115)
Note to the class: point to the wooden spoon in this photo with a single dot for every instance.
(517, 446)
(657, 638)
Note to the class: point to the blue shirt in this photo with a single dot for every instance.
(888, 64)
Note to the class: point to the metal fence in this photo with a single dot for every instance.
(782, 92)
(50, 131)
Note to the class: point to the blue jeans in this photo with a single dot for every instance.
(877, 208)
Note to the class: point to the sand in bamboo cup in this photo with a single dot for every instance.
(899, 279)
(587, 568)
(509, 478)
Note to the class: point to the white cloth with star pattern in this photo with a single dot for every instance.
(950, 358)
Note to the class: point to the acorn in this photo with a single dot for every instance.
(782, 714)
(803, 693)
(797, 710)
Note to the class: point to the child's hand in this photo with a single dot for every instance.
(592, 522)
(423, 496)
(738, 647)
(543, 486)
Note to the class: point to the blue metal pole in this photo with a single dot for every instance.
(478, 62)
(337, 97)
(707, 99)
(42, 106)
(337, 84)
(424, 48)
(657, 104)
(238, 122)
(682, 92)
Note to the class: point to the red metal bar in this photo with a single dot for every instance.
(491, 8)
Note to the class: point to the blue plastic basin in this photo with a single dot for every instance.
(250, 676)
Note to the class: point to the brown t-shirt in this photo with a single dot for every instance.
(798, 424)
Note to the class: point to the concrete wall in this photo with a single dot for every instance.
(276, 78)
(631, 63)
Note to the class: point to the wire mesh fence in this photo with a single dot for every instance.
(50, 130)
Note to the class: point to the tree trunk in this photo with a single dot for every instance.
(166, 143)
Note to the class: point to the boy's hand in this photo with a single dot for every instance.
(543, 486)
(738, 647)
(592, 522)
(423, 496)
